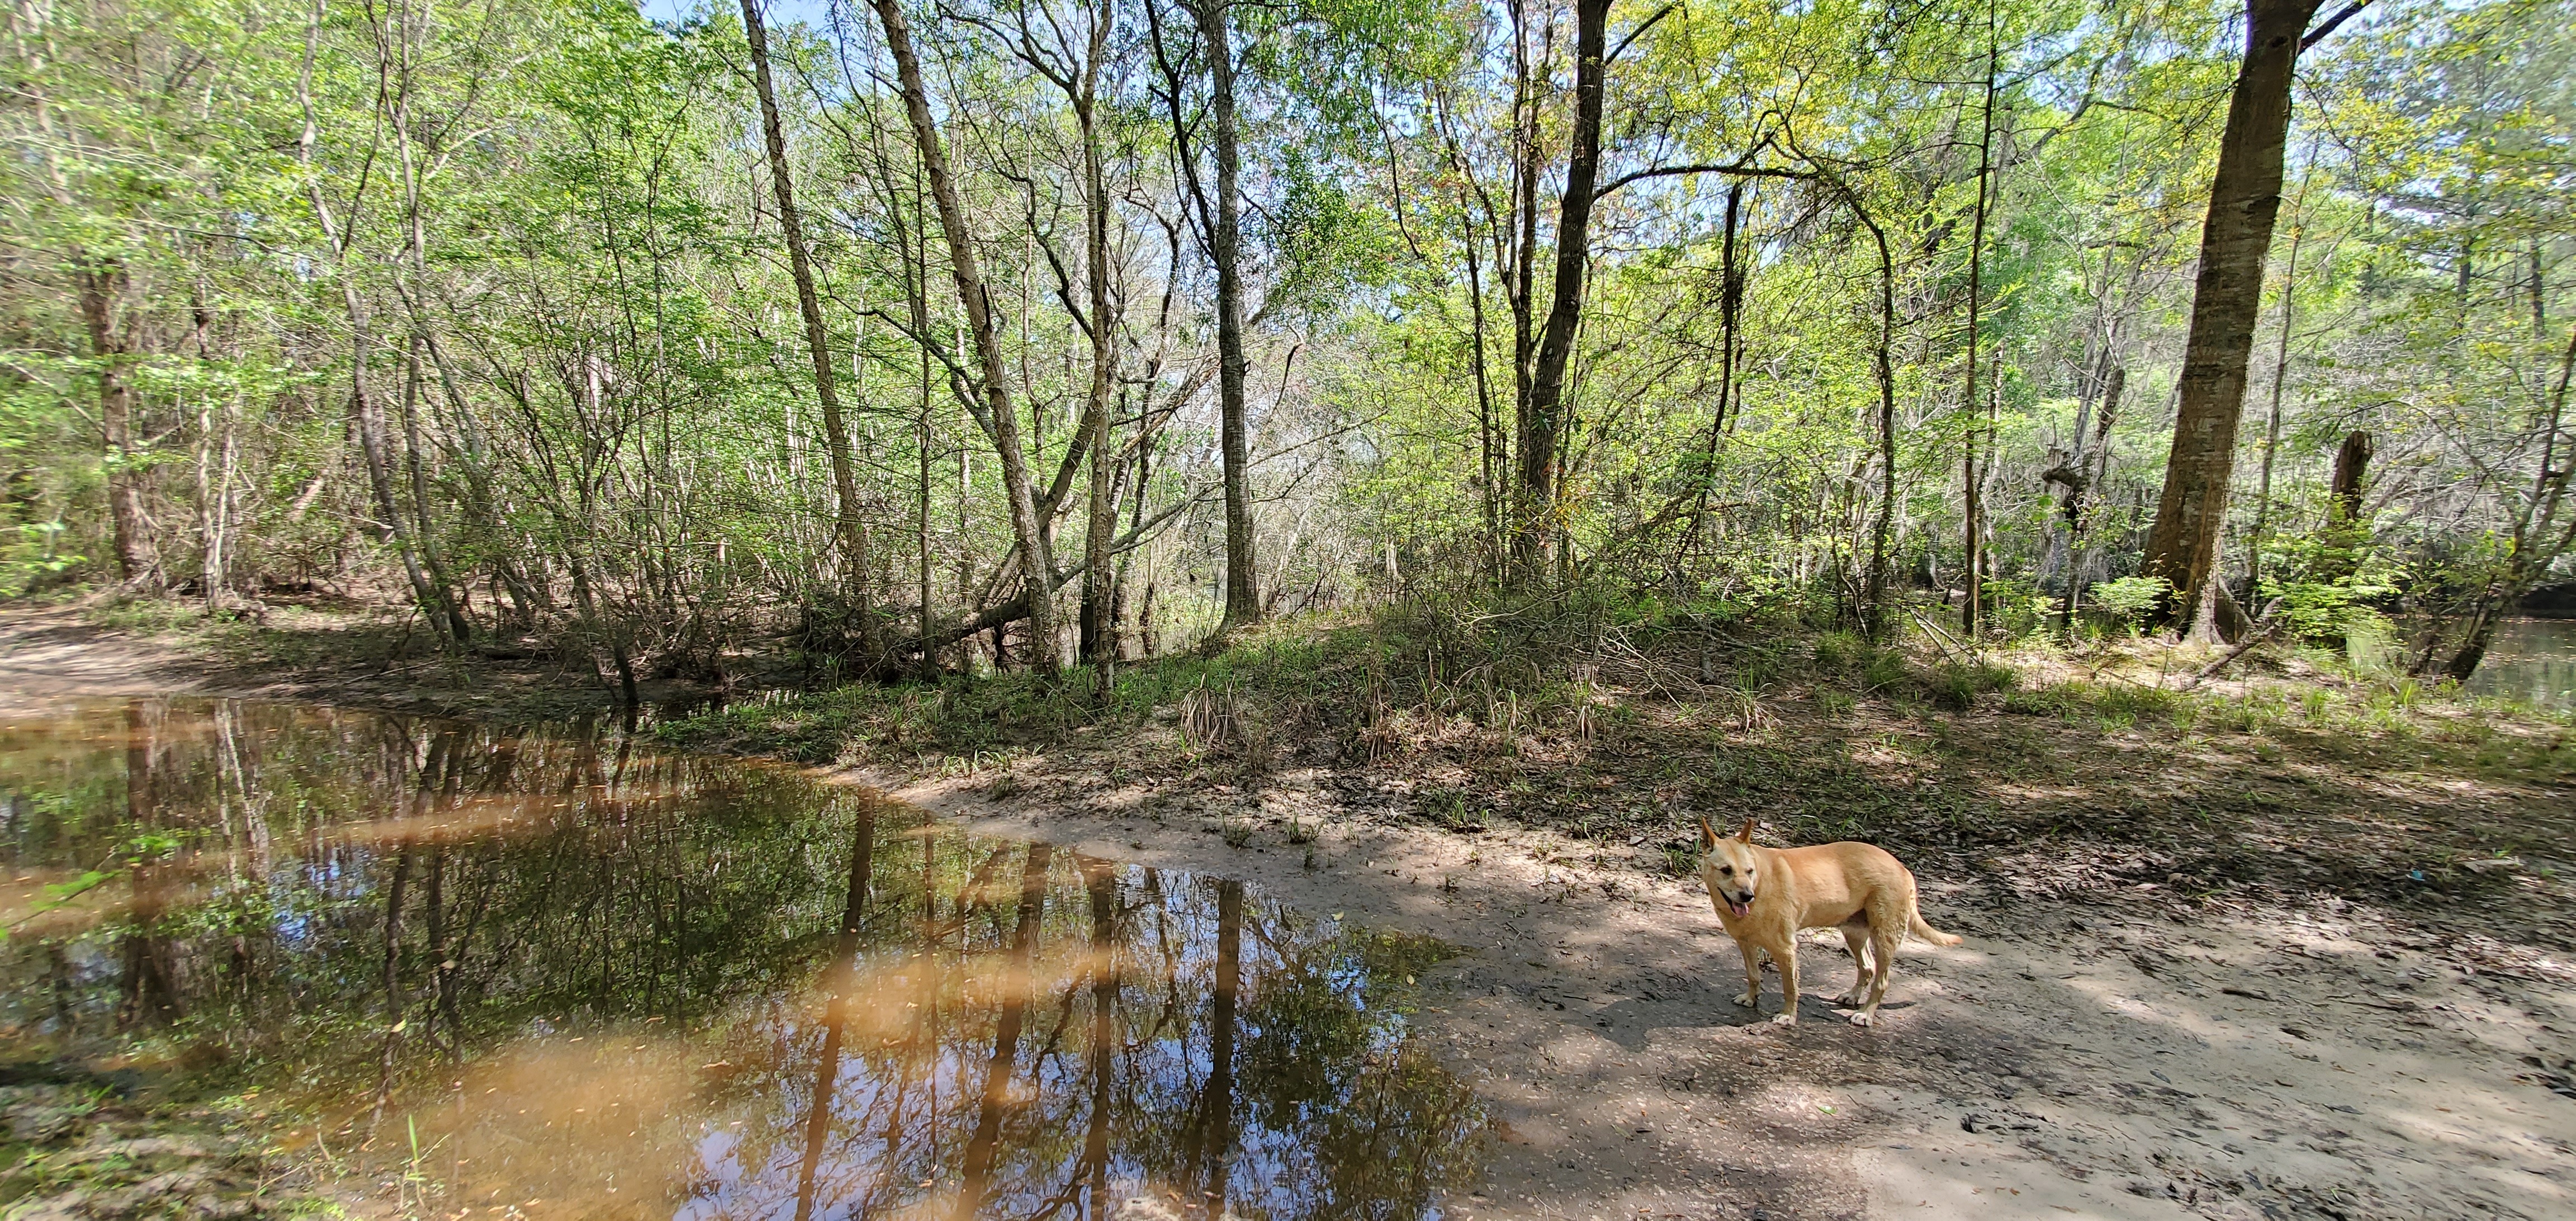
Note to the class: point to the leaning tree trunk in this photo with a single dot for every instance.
(818, 343)
(997, 415)
(1534, 519)
(2235, 243)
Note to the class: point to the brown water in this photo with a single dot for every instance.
(2533, 660)
(569, 974)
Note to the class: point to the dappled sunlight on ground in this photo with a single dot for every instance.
(2169, 1065)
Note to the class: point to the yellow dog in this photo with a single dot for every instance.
(1765, 895)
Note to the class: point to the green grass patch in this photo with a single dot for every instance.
(969, 722)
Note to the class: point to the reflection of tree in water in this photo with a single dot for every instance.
(999, 1029)
(565, 884)
(1068, 1045)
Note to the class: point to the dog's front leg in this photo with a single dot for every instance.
(1752, 997)
(1786, 957)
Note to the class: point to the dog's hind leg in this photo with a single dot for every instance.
(1887, 923)
(1882, 945)
(1856, 940)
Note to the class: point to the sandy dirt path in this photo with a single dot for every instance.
(57, 651)
(2129, 1058)
(2125, 1059)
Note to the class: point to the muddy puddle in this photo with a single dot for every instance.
(435, 968)
(2532, 660)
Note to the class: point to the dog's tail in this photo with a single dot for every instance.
(1915, 925)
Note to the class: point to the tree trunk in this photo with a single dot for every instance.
(2351, 467)
(368, 417)
(1730, 302)
(1147, 641)
(997, 1102)
(2272, 417)
(1119, 588)
(818, 344)
(2235, 243)
(1099, 634)
(2347, 532)
(2092, 464)
(1534, 519)
(916, 291)
(842, 977)
(441, 583)
(1101, 883)
(1874, 591)
(442, 587)
(1972, 617)
(1242, 574)
(1210, 1144)
(99, 283)
(2473, 646)
(1037, 566)
(1486, 492)
(365, 416)
(1529, 77)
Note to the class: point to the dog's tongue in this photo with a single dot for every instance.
(1741, 909)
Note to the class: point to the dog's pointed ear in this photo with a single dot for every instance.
(1747, 833)
(1707, 834)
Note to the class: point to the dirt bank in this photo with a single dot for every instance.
(2128, 1052)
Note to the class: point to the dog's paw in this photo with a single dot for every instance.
(1745, 999)
(1860, 1019)
(1789, 1018)
(1849, 999)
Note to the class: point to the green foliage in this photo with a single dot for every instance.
(1842, 652)
(532, 241)
(1887, 671)
(2331, 584)
(968, 723)
(2130, 600)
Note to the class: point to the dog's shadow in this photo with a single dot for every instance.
(1631, 1021)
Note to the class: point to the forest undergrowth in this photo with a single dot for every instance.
(2035, 768)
